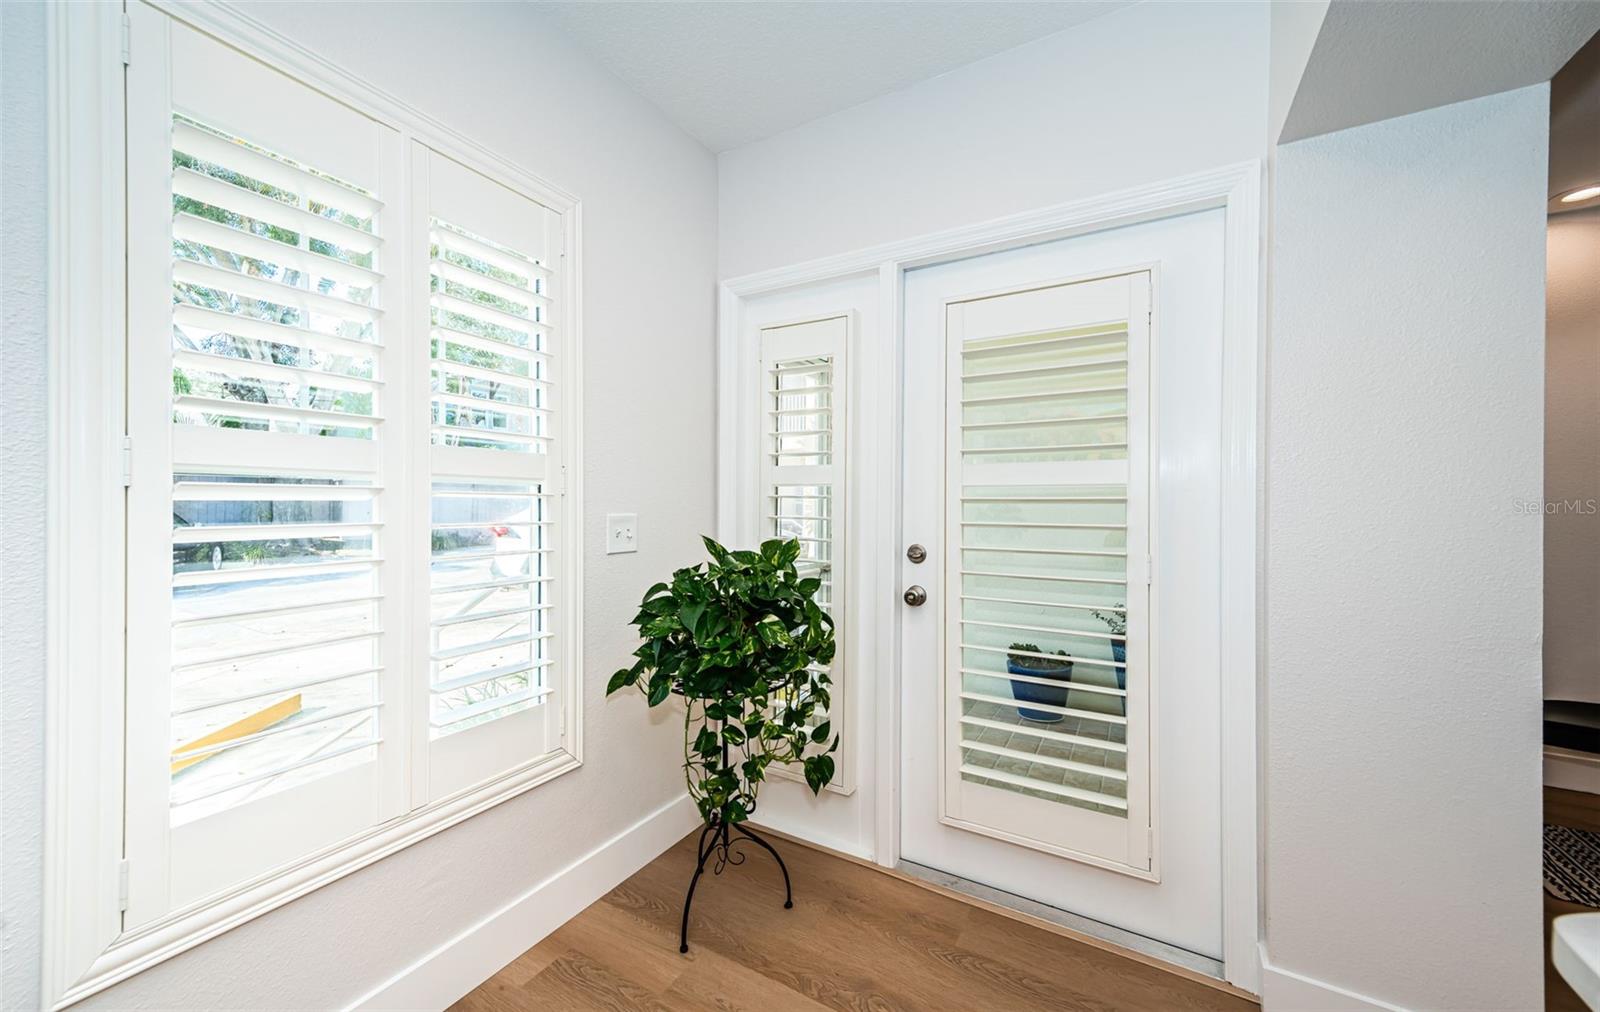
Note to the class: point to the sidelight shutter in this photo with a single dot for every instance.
(804, 441)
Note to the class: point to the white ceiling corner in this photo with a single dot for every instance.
(735, 72)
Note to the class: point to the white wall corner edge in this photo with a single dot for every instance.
(1286, 991)
(447, 973)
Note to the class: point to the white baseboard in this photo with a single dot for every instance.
(1286, 991)
(1570, 770)
(467, 960)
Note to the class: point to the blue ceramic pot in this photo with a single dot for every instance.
(1029, 692)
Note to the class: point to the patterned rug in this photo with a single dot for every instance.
(1572, 865)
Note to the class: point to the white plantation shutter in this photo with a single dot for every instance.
(803, 444)
(1047, 670)
(265, 695)
(492, 570)
(347, 607)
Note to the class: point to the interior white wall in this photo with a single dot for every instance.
(1572, 459)
(22, 462)
(1138, 95)
(499, 74)
(1402, 584)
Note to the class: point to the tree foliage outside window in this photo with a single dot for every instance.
(257, 391)
(742, 639)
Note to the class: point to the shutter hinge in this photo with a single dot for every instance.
(563, 720)
(122, 885)
(127, 39)
(1149, 570)
(127, 461)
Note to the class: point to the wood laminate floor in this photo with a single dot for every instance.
(857, 939)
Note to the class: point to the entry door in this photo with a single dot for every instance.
(1060, 636)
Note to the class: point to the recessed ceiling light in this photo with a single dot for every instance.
(1584, 194)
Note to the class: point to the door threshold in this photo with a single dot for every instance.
(1076, 923)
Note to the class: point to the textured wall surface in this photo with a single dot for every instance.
(1136, 96)
(22, 471)
(1572, 459)
(505, 78)
(1403, 583)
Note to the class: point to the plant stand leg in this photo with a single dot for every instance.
(788, 894)
(718, 831)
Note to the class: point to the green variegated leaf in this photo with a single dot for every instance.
(660, 688)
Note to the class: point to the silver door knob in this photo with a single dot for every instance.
(915, 596)
(916, 553)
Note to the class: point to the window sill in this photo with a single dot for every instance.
(138, 950)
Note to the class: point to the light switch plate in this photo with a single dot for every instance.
(622, 533)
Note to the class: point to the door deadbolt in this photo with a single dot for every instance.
(915, 596)
(916, 553)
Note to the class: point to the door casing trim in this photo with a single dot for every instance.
(1237, 190)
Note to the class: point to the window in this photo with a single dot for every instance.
(349, 600)
(802, 470)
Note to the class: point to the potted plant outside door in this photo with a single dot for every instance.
(1028, 660)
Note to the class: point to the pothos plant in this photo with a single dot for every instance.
(742, 640)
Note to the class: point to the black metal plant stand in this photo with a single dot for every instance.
(719, 852)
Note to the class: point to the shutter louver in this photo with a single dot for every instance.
(490, 599)
(273, 318)
(489, 344)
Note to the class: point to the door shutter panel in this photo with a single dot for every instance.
(1046, 659)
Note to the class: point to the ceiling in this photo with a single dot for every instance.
(1364, 66)
(732, 73)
